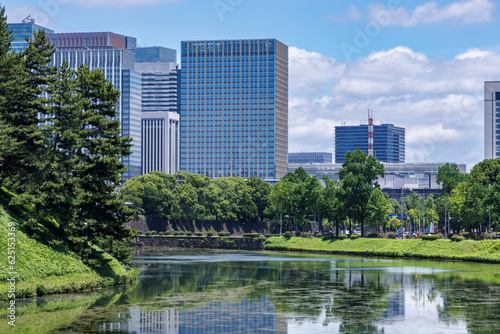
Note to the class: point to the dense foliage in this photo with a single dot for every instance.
(61, 150)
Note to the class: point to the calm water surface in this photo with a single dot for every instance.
(185, 291)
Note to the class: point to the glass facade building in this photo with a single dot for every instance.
(310, 158)
(154, 54)
(388, 142)
(22, 30)
(234, 108)
(118, 68)
(492, 119)
(160, 117)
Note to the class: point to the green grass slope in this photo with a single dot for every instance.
(41, 270)
(467, 250)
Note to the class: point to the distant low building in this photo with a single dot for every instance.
(310, 158)
(388, 142)
(416, 176)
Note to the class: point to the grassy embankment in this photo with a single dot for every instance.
(41, 270)
(467, 250)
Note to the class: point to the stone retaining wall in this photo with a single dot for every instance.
(201, 242)
(145, 224)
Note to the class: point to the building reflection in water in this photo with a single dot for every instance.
(214, 317)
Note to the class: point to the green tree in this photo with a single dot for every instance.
(331, 205)
(359, 176)
(151, 194)
(378, 209)
(260, 192)
(449, 177)
(186, 204)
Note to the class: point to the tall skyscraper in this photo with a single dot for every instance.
(234, 108)
(118, 68)
(492, 119)
(22, 30)
(388, 142)
(104, 51)
(160, 117)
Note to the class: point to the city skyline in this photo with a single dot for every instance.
(421, 65)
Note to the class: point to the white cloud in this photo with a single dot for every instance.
(352, 14)
(473, 53)
(464, 12)
(439, 102)
(311, 70)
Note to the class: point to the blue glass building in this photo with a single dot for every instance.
(234, 108)
(118, 68)
(160, 117)
(22, 30)
(388, 142)
(310, 158)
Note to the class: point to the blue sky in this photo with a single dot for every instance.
(416, 64)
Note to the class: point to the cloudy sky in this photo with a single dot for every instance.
(417, 64)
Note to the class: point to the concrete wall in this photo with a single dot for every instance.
(201, 242)
(146, 224)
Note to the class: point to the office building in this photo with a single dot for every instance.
(104, 51)
(118, 68)
(388, 142)
(154, 54)
(22, 30)
(68, 41)
(418, 176)
(492, 119)
(234, 108)
(310, 158)
(160, 117)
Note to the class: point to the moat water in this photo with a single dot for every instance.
(194, 291)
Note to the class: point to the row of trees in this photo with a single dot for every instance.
(61, 150)
(187, 196)
(356, 197)
(468, 201)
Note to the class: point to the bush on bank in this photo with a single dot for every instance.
(466, 250)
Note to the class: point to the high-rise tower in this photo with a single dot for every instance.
(234, 108)
(492, 119)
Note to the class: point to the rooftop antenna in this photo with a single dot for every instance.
(28, 20)
(370, 132)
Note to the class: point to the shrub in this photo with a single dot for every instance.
(327, 237)
(221, 233)
(319, 235)
(372, 235)
(139, 232)
(391, 235)
(168, 233)
(251, 235)
(161, 233)
(189, 233)
(381, 235)
(431, 237)
(272, 235)
(408, 236)
(484, 236)
(176, 233)
(153, 232)
(354, 237)
(297, 234)
(457, 238)
(210, 233)
(288, 235)
(198, 234)
(343, 236)
(182, 233)
(148, 233)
